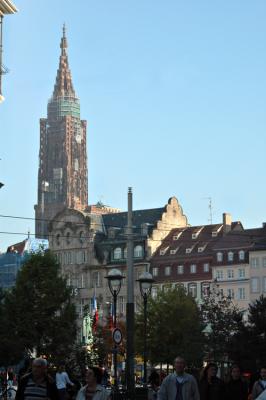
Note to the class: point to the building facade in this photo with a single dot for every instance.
(13, 259)
(89, 245)
(62, 175)
(185, 257)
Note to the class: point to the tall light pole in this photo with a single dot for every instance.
(130, 376)
(114, 278)
(145, 284)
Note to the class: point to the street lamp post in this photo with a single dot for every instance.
(145, 284)
(114, 278)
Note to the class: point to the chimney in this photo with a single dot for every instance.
(227, 222)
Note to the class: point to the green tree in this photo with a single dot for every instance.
(223, 321)
(38, 310)
(174, 327)
(248, 344)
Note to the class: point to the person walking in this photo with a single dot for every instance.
(37, 384)
(211, 387)
(93, 390)
(62, 380)
(179, 385)
(259, 386)
(236, 388)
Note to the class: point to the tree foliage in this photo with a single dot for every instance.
(247, 346)
(174, 327)
(223, 321)
(38, 311)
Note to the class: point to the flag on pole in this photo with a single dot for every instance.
(95, 313)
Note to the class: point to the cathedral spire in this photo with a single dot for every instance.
(63, 85)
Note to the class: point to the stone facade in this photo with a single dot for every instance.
(62, 176)
(89, 245)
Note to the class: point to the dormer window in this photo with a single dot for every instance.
(219, 257)
(214, 233)
(230, 256)
(188, 250)
(163, 251)
(201, 249)
(194, 235)
(117, 253)
(174, 251)
(177, 236)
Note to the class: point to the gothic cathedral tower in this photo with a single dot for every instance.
(62, 175)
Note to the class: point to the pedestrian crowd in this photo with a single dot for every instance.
(37, 384)
(182, 386)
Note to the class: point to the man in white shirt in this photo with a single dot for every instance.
(259, 388)
(62, 379)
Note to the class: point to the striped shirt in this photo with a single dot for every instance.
(34, 391)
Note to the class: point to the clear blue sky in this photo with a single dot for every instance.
(174, 92)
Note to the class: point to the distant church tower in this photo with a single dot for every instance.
(62, 176)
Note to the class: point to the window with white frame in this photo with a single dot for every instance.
(264, 262)
(192, 289)
(219, 274)
(121, 305)
(264, 284)
(254, 262)
(193, 268)
(138, 251)
(241, 273)
(205, 289)
(69, 258)
(180, 269)
(255, 285)
(241, 293)
(188, 250)
(117, 253)
(230, 274)
(96, 279)
(206, 267)
(241, 255)
(230, 256)
(154, 292)
(214, 233)
(155, 271)
(125, 252)
(231, 293)
(219, 256)
(167, 271)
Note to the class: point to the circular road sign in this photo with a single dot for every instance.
(117, 336)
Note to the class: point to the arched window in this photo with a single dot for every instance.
(241, 255)
(230, 256)
(117, 253)
(81, 237)
(138, 251)
(58, 239)
(68, 239)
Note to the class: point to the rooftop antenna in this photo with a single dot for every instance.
(210, 207)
